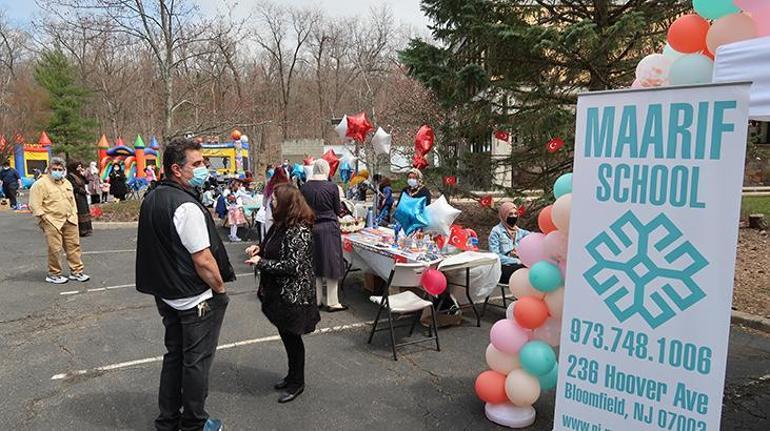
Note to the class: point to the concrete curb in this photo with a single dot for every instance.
(114, 225)
(750, 320)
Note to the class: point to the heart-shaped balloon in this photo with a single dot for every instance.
(358, 127)
(424, 140)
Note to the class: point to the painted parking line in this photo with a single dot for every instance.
(121, 286)
(129, 364)
(133, 250)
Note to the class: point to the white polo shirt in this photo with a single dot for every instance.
(190, 224)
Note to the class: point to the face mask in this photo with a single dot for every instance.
(270, 173)
(412, 182)
(200, 175)
(511, 221)
(57, 175)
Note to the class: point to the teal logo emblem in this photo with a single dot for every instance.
(645, 269)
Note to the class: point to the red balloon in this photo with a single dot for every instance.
(544, 220)
(688, 34)
(309, 160)
(358, 127)
(424, 140)
(236, 134)
(433, 281)
(530, 312)
(490, 387)
(334, 161)
(419, 162)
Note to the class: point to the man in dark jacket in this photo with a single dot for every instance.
(181, 260)
(11, 183)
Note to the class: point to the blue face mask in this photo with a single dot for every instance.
(270, 173)
(200, 175)
(57, 175)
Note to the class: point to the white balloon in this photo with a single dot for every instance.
(671, 53)
(501, 362)
(550, 331)
(244, 138)
(441, 215)
(560, 212)
(342, 128)
(508, 415)
(381, 141)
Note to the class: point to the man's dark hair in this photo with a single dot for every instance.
(176, 152)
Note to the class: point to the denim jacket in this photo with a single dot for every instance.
(501, 243)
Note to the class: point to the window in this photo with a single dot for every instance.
(36, 164)
(219, 162)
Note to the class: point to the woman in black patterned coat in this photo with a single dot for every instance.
(287, 281)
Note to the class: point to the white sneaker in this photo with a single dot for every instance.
(235, 239)
(56, 279)
(81, 277)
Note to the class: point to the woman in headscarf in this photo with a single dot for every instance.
(323, 196)
(504, 240)
(76, 176)
(415, 187)
(285, 262)
(94, 183)
(118, 186)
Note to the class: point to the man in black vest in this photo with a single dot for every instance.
(181, 260)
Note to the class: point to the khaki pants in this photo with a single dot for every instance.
(68, 238)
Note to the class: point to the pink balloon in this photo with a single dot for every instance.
(550, 332)
(532, 249)
(751, 5)
(434, 281)
(507, 337)
(730, 29)
(555, 244)
(761, 19)
(563, 269)
(520, 286)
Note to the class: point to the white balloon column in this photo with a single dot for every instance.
(521, 354)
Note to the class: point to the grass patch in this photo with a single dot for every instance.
(126, 211)
(755, 205)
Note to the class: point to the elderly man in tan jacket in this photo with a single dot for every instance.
(53, 203)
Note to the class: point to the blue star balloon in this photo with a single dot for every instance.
(411, 214)
(346, 172)
(298, 172)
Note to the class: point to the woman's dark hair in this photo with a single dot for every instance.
(291, 208)
(72, 166)
(176, 152)
(384, 182)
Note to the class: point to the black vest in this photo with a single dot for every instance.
(164, 267)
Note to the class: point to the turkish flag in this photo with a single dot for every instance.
(554, 145)
(502, 135)
(450, 181)
(521, 211)
(486, 201)
(458, 237)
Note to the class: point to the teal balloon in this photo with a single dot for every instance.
(714, 9)
(548, 381)
(411, 214)
(298, 172)
(691, 69)
(537, 358)
(545, 276)
(562, 186)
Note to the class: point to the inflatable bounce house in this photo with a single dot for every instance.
(228, 158)
(134, 160)
(26, 158)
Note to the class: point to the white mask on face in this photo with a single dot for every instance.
(413, 183)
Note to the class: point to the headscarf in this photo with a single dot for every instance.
(92, 167)
(418, 174)
(321, 170)
(503, 211)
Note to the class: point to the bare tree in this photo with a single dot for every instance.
(282, 34)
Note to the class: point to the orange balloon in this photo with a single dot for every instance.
(236, 135)
(688, 34)
(544, 220)
(530, 312)
(490, 387)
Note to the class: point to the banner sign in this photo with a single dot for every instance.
(656, 194)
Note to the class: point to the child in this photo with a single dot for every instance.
(235, 215)
(105, 186)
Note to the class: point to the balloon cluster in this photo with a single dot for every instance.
(521, 357)
(693, 39)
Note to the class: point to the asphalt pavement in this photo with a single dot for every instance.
(85, 356)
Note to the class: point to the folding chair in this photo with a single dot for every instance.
(403, 304)
(502, 287)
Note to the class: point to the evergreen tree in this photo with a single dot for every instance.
(518, 65)
(68, 130)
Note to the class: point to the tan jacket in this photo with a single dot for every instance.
(53, 201)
